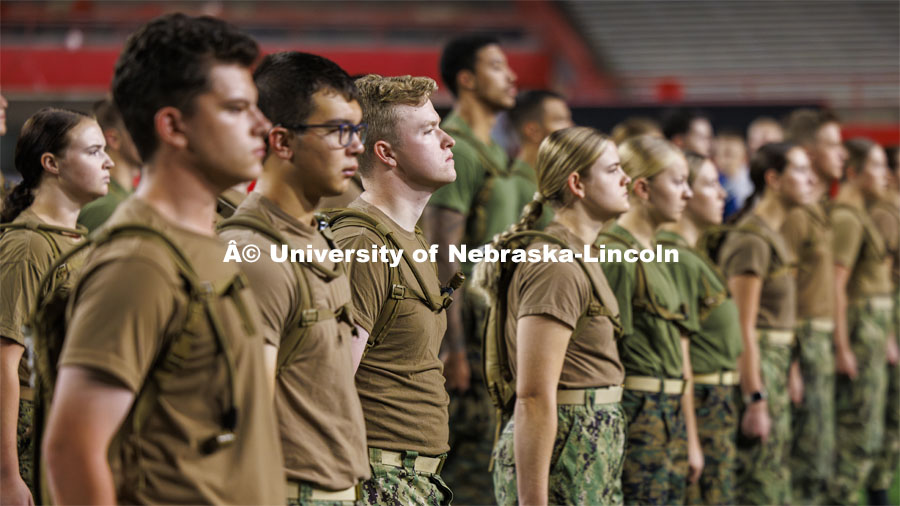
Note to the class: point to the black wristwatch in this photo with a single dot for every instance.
(754, 397)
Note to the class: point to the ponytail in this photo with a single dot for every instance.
(772, 156)
(19, 199)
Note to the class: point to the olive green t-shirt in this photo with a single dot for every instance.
(323, 434)
(716, 344)
(129, 300)
(25, 257)
(562, 291)
(526, 185)
(807, 231)
(400, 380)
(97, 212)
(858, 246)
(474, 161)
(769, 258)
(651, 343)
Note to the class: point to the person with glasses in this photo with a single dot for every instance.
(312, 151)
(399, 310)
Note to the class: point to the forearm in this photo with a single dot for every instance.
(78, 473)
(536, 422)
(687, 400)
(447, 228)
(9, 409)
(751, 378)
(358, 346)
(841, 332)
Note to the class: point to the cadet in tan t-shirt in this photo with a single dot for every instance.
(63, 166)
(305, 304)
(560, 326)
(162, 394)
(760, 271)
(863, 290)
(399, 309)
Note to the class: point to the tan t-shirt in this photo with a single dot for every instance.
(130, 296)
(25, 256)
(563, 292)
(808, 233)
(323, 434)
(748, 253)
(400, 380)
(859, 247)
(886, 217)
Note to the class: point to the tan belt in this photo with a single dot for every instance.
(727, 378)
(292, 491)
(777, 337)
(821, 324)
(26, 393)
(881, 302)
(650, 384)
(605, 395)
(423, 464)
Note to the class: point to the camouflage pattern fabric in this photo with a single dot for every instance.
(763, 473)
(812, 422)
(472, 420)
(860, 403)
(403, 486)
(887, 463)
(25, 442)
(717, 427)
(656, 466)
(305, 499)
(586, 463)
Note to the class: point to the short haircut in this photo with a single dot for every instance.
(802, 125)
(380, 96)
(167, 63)
(763, 121)
(107, 114)
(461, 54)
(530, 107)
(634, 126)
(678, 121)
(287, 81)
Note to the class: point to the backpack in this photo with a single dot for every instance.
(47, 329)
(399, 286)
(476, 222)
(710, 243)
(307, 315)
(43, 230)
(496, 362)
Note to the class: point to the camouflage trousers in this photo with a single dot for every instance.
(25, 442)
(304, 498)
(472, 421)
(812, 422)
(860, 403)
(888, 460)
(403, 486)
(656, 465)
(717, 427)
(763, 472)
(586, 463)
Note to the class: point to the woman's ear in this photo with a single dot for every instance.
(640, 188)
(576, 185)
(50, 163)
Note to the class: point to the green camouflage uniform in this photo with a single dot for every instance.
(763, 476)
(25, 442)
(490, 204)
(717, 427)
(860, 403)
(812, 452)
(586, 463)
(403, 485)
(887, 462)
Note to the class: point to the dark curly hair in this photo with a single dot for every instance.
(166, 63)
(460, 54)
(47, 131)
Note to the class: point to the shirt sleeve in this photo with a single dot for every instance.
(746, 253)
(559, 290)
(848, 237)
(621, 278)
(368, 280)
(460, 195)
(19, 283)
(119, 318)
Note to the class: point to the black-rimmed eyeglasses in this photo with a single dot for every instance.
(344, 131)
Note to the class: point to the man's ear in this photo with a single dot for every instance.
(279, 140)
(50, 163)
(771, 178)
(169, 126)
(533, 132)
(576, 185)
(640, 188)
(385, 154)
(465, 80)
